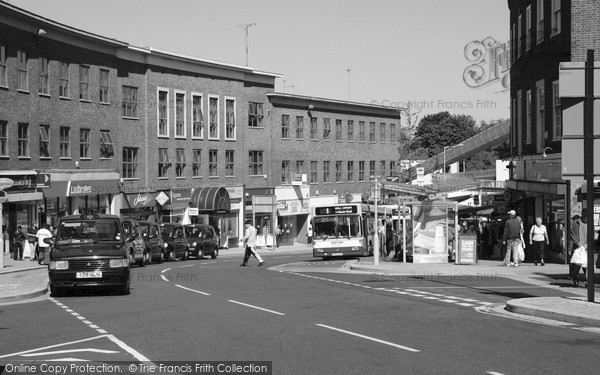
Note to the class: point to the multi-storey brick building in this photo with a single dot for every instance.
(116, 128)
(544, 33)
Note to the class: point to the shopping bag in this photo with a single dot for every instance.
(521, 254)
(579, 256)
(27, 253)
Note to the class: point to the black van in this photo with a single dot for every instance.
(89, 251)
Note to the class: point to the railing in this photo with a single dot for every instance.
(487, 174)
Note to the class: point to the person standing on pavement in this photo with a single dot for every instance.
(512, 239)
(309, 235)
(19, 239)
(538, 238)
(43, 247)
(249, 242)
(578, 237)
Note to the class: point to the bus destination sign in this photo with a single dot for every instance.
(336, 210)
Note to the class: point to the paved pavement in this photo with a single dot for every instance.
(21, 280)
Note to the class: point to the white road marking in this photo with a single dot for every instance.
(465, 304)
(164, 278)
(129, 349)
(52, 346)
(187, 265)
(192, 290)
(370, 338)
(256, 307)
(494, 373)
(69, 359)
(101, 330)
(448, 300)
(165, 270)
(72, 351)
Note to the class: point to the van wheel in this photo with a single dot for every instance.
(215, 254)
(161, 258)
(125, 289)
(147, 257)
(186, 255)
(171, 256)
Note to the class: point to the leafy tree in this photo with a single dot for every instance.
(438, 130)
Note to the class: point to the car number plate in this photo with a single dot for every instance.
(336, 254)
(88, 275)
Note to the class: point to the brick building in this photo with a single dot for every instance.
(94, 123)
(544, 33)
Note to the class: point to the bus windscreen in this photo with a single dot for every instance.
(337, 226)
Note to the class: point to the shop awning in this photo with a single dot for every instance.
(64, 184)
(211, 198)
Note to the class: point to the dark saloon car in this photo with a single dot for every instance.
(135, 241)
(202, 240)
(174, 236)
(89, 251)
(155, 245)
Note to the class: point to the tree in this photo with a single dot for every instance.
(438, 130)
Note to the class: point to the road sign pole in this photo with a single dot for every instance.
(376, 236)
(2, 200)
(588, 146)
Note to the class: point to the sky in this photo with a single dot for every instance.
(397, 51)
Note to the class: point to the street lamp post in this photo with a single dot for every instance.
(376, 227)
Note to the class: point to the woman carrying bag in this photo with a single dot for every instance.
(538, 238)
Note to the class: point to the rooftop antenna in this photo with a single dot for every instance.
(348, 70)
(246, 27)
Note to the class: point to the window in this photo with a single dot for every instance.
(382, 168)
(372, 168)
(179, 114)
(528, 28)
(556, 113)
(326, 128)
(519, 34)
(179, 162)
(106, 145)
(65, 142)
(528, 117)
(326, 177)
(197, 163)
(393, 168)
(103, 78)
(339, 169)
(300, 166)
(350, 171)
(130, 162)
(314, 170)
(84, 82)
(361, 171)
(255, 163)
(3, 138)
(255, 114)
(163, 113)
(286, 176)
(230, 118)
(556, 17)
(130, 98)
(44, 89)
(372, 132)
(63, 86)
(22, 73)
(513, 42)
(212, 163)
(213, 117)
(163, 162)
(23, 140)
(313, 128)
(229, 163)
(299, 127)
(540, 21)
(338, 130)
(393, 133)
(361, 131)
(44, 141)
(84, 143)
(540, 114)
(197, 116)
(350, 130)
(285, 126)
(519, 122)
(3, 71)
(382, 132)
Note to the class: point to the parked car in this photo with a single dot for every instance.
(202, 240)
(155, 245)
(89, 251)
(174, 236)
(137, 245)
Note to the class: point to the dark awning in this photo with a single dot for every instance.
(211, 198)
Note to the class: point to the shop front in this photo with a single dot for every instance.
(175, 208)
(293, 210)
(212, 205)
(139, 206)
(260, 209)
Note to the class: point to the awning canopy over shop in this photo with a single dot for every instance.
(211, 199)
(537, 187)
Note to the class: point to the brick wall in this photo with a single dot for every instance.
(585, 29)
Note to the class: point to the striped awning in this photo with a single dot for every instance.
(211, 199)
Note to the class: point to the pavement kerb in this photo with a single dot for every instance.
(6, 271)
(527, 306)
(36, 292)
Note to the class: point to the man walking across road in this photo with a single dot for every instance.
(249, 242)
(512, 239)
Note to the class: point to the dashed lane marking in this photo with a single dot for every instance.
(93, 350)
(187, 265)
(370, 338)
(192, 290)
(256, 307)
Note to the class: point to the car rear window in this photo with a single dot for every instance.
(89, 230)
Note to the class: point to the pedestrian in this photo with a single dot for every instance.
(309, 235)
(19, 239)
(249, 242)
(538, 238)
(578, 236)
(43, 247)
(512, 239)
(278, 232)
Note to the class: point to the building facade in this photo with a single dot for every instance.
(544, 34)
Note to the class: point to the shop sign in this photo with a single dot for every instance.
(293, 207)
(20, 183)
(140, 199)
(193, 211)
(235, 192)
(43, 181)
(92, 187)
(162, 198)
(181, 196)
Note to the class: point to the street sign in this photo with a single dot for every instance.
(193, 211)
(43, 181)
(3, 198)
(162, 198)
(5, 183)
